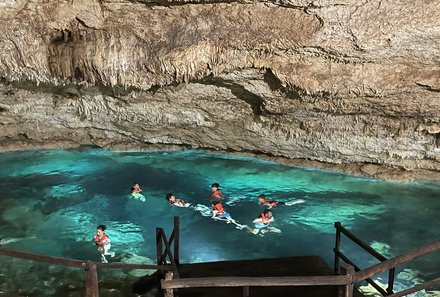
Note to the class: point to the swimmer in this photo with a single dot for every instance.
(218, 213)
(102, 241)
(176, 202)
(136, 192)
(263, 221)
(271, 203)
(215, 192)
(135, 188)
(263, 201)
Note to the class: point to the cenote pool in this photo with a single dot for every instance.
(52, 201)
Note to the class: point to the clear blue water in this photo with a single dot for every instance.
(52, 201)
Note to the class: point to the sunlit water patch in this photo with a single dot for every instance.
(52, 201)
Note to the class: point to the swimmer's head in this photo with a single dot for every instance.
(267, 213)
(100, 229)
(168, 196)
(214, 203)
(262, 197)
(215, 185)
(134, 186)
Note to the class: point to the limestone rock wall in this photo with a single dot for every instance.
(331, 81)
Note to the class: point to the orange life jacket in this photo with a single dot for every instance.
(219, 208)
(101, 240)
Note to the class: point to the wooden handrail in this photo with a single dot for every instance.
(43, 258)
(396, 261)
(134, 266)
(78, 263)
(338, 254)
(336, 280)
(359, 242)
(417, 288)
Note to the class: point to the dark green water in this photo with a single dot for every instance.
(52, 201)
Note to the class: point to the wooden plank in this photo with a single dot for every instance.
(91, 280)
(417, 288)
(391, 275)
(396, 261)
(176, 240)
(134, 266)
(168, 249)
(336, 267)
(239, 281)
(159, 252)
(42, 258)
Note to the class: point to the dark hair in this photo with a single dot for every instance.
(215, 185)
(262, 196)
(266, 211)
(215, 202)
(102, 227)
(132, 186)
(168, 196)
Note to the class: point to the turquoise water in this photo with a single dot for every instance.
(52, 201)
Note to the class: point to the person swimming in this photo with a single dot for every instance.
(172, 200)
(215, 192)
(135, 188)
(219, 212)
(102, 241)
(136, 192)
(263, 201)
(271, 203)
(263, 222)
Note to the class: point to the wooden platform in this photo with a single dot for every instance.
(291, 266)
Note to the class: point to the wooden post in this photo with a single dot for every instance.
(91, 279)
(168, 292)
(246, 291)
(391, 281)
(176, 240)
(159, 246)
(336, 249)
(349, 288)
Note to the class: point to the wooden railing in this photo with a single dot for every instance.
(347, 280)
(339, 255)
(90, 268)
(385, 265)
(399, 260)
(161, 241)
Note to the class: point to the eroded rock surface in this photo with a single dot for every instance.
(341, 82)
